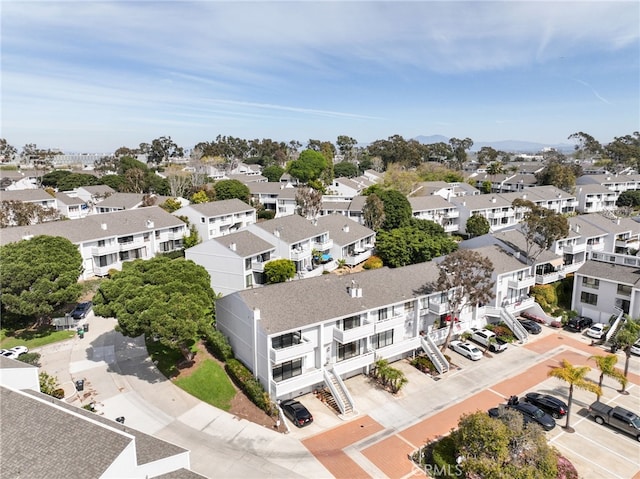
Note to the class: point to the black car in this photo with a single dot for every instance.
(530, 413)
(296, 412)
(579, 323)
(548, 404)
(531, 326)
(81, 310)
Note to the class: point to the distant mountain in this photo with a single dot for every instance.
(514, 146)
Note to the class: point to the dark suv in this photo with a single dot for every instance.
(579, 323)
(548, 404)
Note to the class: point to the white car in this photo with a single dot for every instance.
(19, 350)
(467, 350)
(635, 348)
(10, 354)
(596, 331)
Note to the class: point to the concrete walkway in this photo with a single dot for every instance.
(121, 380)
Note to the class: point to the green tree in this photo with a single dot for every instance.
(49, 385)
(477, 225)
(487, 155)
(199, 197)
(486, 187)
(400, 179)
(459, 148)
(164, 149)
(541, 227)
(625, 150)
(19, 213)
(576, 377)
(170, 205)
(345, 169)
(7, 151)
(171, 300)
(39, 275)
(373, 212)
(346, 146)
(411, 245)
(273, 173)
(308, 202)
(465, 276)
(586, 145)
(629, 198)
(192, 239)
(229, 189)
(279, 270)
(560, 175)
(114, 181)
(607, 366)
(397, 209)
(626, 337)
(309, 166)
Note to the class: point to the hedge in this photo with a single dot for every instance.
(218, 345)
(250, 385)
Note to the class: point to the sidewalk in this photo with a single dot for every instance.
(121, 380)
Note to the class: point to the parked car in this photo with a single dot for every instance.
(579, 323)
(488, 338)
(635, 348)
(296, 412)
(530, 413)
(549, 404)
(617, 417)
(81, 310)
(467, 350)
(10, 354)
(530, 326)
(19, 350)
(596, 331)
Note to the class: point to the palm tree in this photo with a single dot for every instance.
(607, 366)
(625, 338)
(575, 376)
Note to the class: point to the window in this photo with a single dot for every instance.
(382, 314)
(287, 370)
(591, 283)
(382, 339)
(350, 323)
(286, 340)
(588, 298)
(623, 304)
(624, 290)
(409, 307)
(247, 263)
(248, 281)
(125, 239)
(348, 351)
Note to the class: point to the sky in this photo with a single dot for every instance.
(93, 76)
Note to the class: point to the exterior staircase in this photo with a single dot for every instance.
(615, 327)
(510, 320)
(434, 354)
(339, 391)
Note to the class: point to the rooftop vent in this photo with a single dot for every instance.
(232, 246)
(355, 291)
(103, 226)
(345, 228)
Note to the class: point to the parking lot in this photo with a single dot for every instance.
(376, 442)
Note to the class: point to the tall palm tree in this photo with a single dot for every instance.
(576, 377)
(607, 366)
(625, 338)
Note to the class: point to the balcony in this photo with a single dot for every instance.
(322, 244)
(309, 378)
(298, 254)
(438, 308)
(278, 356)
(388, 324)
(104, 250)
(353, 334)
(398, 348)
(354, 364)
(525, 282)
(497, 214)
(357, 258)
(521, 305)
(450, 228)
(451, 214)
(175, 235)
(130, 245)
(574, 248)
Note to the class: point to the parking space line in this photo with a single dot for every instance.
(606, 472)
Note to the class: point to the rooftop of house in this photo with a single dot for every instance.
(522, 178)
(357, 203)
(516, 241)
(272, 188)
(592, 189)
(343, 230)
(26, 195)
(217, 208)
(580, 227)
(613, 272)
(481, 202)
(246, 244)
(292, 305)
(602, 179)
(127, 201)
(502, 261)
(97, 190)
(291, 229)
(619, 225)
(431, 202)
(67, 200)
(95, 227)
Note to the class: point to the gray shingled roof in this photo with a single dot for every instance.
(335, 224)
(502, 261)
(357, 203)
(218, 208)
(613, 272)
(6, 363)
(247, 244)
(68, 200)
(587, 230)
(431, 202)
(481, 202)
(292, 305)
(25, 195)
(119, 223)
(620, 225)
(593, 189)
(292, 228)
(98, 190)
(125, 201)
(43, 441)
(514, 239)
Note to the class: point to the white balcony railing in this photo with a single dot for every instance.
(298, 254)
(574, 248)
(522, 283)
(398, 348)
(106, 249)
(353, 334)
(288, 386)
(354, 364)
(323, 245)
(297, 350)
(388, 324)
(438, 308)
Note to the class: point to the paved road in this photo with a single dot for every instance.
(122, 381)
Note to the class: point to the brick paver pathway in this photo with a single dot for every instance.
(390, 454)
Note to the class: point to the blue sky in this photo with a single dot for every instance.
(93, 76)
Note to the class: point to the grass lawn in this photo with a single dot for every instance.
(165, 358)
(210, 384)
(33, 338)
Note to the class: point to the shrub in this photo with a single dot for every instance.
(373, 263)
(424, 364)
(250, 385)
(58, 393)
(266, 214)
(444, 457)
(545, 295)
(218, 345)
(30, 358)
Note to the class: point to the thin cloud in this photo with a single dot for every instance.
(593, 90)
